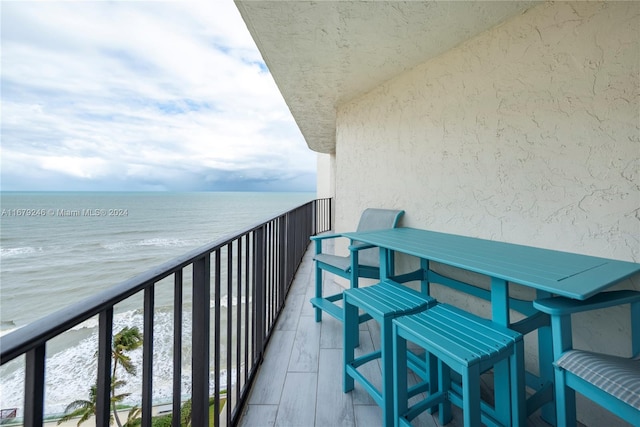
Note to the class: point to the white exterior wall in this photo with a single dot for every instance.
(528, 133)
(326, 170)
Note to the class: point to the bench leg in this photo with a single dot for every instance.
(350, 341)
(444, 385)
(387, 371)
(431, 366)
(318, 291)
(471, 396)
(565, 402)
(518, 384)
(400, 394)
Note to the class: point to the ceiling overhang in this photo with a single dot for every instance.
(324, 53)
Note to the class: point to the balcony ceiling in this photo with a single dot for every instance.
(324, 53)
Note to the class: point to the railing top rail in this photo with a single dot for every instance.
(35, 333)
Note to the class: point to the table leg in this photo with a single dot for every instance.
(384, 264)
(424, 283)
(350, 341)
(545, 360)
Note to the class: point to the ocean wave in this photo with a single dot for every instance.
(224, 302)
(166, 242)
(157, 242)
(11, 252)
(87, 324)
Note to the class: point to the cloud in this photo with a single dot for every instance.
(142, 95)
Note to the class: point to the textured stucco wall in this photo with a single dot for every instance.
(528, 133)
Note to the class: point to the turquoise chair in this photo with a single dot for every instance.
(611, 381)
(366, 260)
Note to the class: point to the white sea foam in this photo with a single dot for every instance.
(156, 242)
(12, 252)
(87, 324)
(224, 302)
(167, 242)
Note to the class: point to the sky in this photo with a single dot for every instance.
(141, 96)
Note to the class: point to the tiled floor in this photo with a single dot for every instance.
(300, 380)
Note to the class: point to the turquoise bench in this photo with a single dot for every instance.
(468, 345)
(383, 302)
(611, 381)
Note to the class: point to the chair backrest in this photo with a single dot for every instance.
(376, 219)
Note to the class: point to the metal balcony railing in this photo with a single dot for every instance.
(245, 277)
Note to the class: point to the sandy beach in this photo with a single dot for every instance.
(157, 410)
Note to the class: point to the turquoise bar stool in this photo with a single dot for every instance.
(383, 302)
(468, 345)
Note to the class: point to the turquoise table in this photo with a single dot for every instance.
(549, 272)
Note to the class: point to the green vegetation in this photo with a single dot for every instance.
(86, 408)
(185, 415)
(125, 341)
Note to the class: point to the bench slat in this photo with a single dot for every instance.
(463, 337)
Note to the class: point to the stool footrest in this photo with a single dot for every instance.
(325, 304)
(376, 395)
(328, 307)
(334, 297)
(422, 387)
(431, 401)
(359, 361)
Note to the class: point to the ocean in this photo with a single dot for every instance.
(57, 248)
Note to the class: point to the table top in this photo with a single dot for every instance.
(563, 273)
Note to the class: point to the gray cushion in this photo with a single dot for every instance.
(617, 376)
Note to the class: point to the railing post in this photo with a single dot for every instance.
(34, 387)
(147, 356)
(239, 308)
(259, 280)
(331, 215)
(314, 217)
(177, 348)
(229, 334)
(103, 392)
(283, 259)
(200, 342)
(216, 335)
